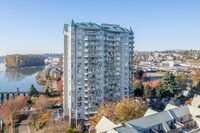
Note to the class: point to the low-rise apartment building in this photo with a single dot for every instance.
(185, 119)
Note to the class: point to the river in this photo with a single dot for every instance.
(11, 79)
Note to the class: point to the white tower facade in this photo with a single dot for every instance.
(98, 66)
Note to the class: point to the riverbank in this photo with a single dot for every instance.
(21, 68)
(41, 78)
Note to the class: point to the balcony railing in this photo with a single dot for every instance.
(112, 40)
(91, 43)
(111, 34)
(92, 38)
(92, 32)
(112, 44)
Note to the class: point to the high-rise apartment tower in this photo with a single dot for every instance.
(98, 66)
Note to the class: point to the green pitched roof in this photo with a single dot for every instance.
(105, 27)
(86, 25)
(65, 28)
(72, 23)
(130, 29)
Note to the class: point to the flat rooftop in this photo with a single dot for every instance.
(154, 75)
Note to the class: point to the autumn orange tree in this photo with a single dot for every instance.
(181, 80)
(42, 105)
(189, 101)
(60, 85)
(12, 108)
(124, 110)
(40, 114)
(196, 79)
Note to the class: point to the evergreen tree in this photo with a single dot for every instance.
(33, 92)
(139, 74)
(138, 89)
(147, 91)
(168, 84)
(157, 91)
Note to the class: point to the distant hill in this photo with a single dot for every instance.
(179, 50)
(20, 61)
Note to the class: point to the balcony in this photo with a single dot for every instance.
(89, 118)
(92, 61)
(131, 40)
(92, 38)
(90, 101)
(87, 123)
(112, 44)
(90, 106)
(91, 55)
(92, 32)
(90, 84)
(131, 46)
(91, 44)
(90, 112)
(89, 90)
(112, 34)
(112, 40)
(86, 113)
(94, 79)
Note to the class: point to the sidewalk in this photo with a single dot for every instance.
(24, 127)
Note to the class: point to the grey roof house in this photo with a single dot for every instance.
(184, 119)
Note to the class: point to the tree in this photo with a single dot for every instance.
(12, 109)
(181, 80)
(43, 103)
(41, 113)
(156, 83)
(138, 89)
(17, 61)
(196, 79)
(60, 85)
(58, 78)
(33, 92)
(147, 91)
(189, 101)
(60, 62)
(168, 84)
(47, 87)
(124, 110)
(147, 83)
(139, 74)
(157, 91)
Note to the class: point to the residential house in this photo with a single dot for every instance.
(185, 119)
